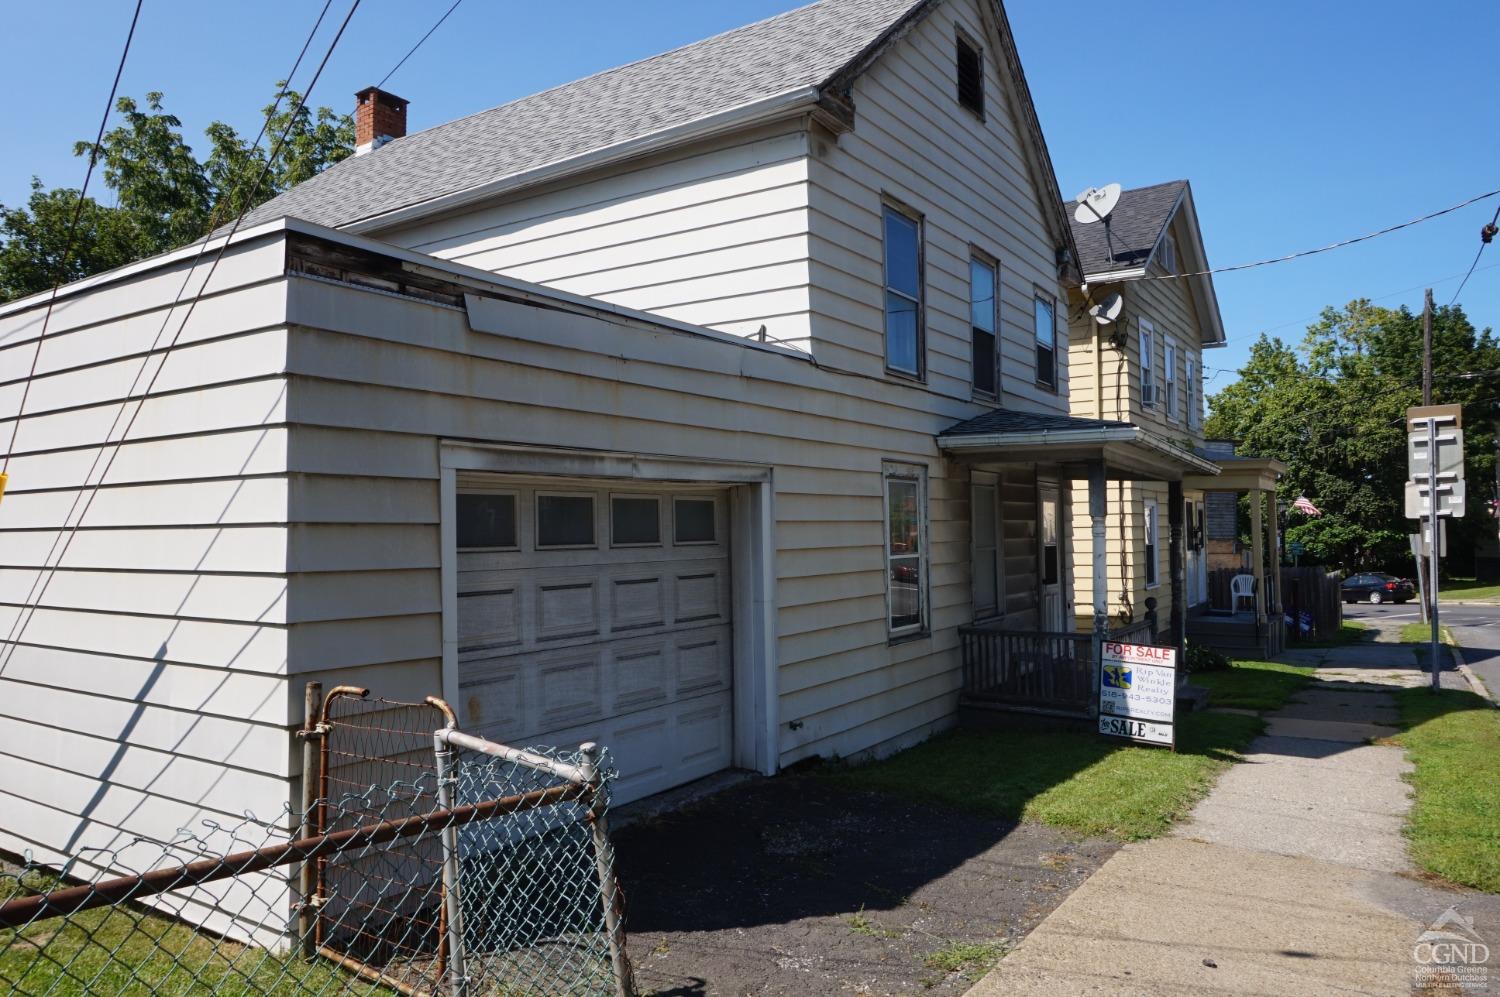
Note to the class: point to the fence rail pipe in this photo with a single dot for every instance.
(307, 874)
(609, 887)
(71, 900)
(530, 759)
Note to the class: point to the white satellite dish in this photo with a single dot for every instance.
(1108, 310)
(1095, 204)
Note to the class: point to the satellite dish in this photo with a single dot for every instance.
(1095, 204)
(1108, 310)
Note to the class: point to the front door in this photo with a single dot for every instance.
(1197, 562)
(1050, 568)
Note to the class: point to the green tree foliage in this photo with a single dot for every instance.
(164, 195)
(1333, 410)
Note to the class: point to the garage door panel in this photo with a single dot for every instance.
(630, 647)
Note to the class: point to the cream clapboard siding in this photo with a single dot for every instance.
(1168, 305)
(147, 691)
(714, 234)
(378, 380)
(913, 143)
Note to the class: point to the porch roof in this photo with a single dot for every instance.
(1128, 451)
(1239, 474)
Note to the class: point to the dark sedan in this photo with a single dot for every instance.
(1376, 588)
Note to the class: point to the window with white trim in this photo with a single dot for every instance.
(984, 283)
(1148, 364)
(903, 291)
(1167, 254)
(1190, 390)
(1169, 379)
(1046, 341)
(1153, 570)
(906, 549)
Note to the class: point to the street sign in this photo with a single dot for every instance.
(1138, 692)
(1450, 499)
(1421, 542)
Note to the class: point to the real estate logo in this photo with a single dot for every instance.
(1450, 956)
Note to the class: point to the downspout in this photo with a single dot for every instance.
(1098, 371)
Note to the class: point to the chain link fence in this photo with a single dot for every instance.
(476, 868)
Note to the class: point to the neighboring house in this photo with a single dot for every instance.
(694, 408)
(1146, 368)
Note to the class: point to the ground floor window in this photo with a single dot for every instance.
(1152, 530)
(984, 527)
(906, 548)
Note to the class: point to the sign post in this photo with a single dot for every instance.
(1138, 693)
(1435, 489)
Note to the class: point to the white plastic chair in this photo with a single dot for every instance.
(1241, 587)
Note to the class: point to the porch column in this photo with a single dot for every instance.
(1258, 555)
(1273, 594)
(1100, 551)
(1175, 554)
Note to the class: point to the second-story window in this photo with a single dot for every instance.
(1046, 342)
(983, 314)
(1190, 390)
(903, 292)
(1169, 379)
(970, 65)
(1148, 362)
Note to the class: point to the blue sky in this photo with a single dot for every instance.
(1298, 124)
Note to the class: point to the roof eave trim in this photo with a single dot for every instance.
(1064, 437)
(746, 115)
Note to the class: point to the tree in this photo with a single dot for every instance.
(1334, 411)
(164, 195)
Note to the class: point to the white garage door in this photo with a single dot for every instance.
(590, 613)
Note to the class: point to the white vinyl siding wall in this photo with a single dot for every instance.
(715, 235)
(914, 143)
(148, 692)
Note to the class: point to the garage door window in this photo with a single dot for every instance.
(693, 521)
(487, 521)
(564, 520)
(906, 530)
(634, 522)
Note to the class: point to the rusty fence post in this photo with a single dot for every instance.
(447, 779)
(609, 886)
(307, 871)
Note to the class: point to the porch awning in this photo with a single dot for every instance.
(1240, 474)
(1128, 451)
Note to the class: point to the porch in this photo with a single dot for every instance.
(1033, 662)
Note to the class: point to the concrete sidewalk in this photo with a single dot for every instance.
(1291, 877)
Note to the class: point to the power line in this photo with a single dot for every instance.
(1321, 249)
(34, 597)
(62, 262)
(418, 45)
(1485, 235)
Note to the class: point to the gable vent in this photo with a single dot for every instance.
(970, 77)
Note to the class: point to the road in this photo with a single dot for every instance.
(1476, 628)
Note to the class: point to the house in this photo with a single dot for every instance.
(701, 407)
(1146, 368)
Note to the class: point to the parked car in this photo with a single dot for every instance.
(1374, 587)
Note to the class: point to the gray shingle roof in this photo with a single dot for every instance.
(809, 46)
(1011, 421)
(1134, 227)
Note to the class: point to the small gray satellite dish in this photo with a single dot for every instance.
(1095, 204)
(1108, 310)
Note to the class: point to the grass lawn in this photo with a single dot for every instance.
(1253, 685)
(1421, 633)
(122, 950)
(1467, 588)
(1453, 739)
(1073, 779)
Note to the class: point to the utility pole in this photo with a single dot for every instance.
(1422, 563)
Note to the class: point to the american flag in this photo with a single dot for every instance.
(1305, 506)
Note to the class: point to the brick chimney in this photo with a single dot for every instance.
(379, 117)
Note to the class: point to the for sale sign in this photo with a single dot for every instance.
(1138, 692)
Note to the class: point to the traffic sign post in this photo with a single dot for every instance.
(1434, 491)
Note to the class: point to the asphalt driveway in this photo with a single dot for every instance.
(795, 885)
